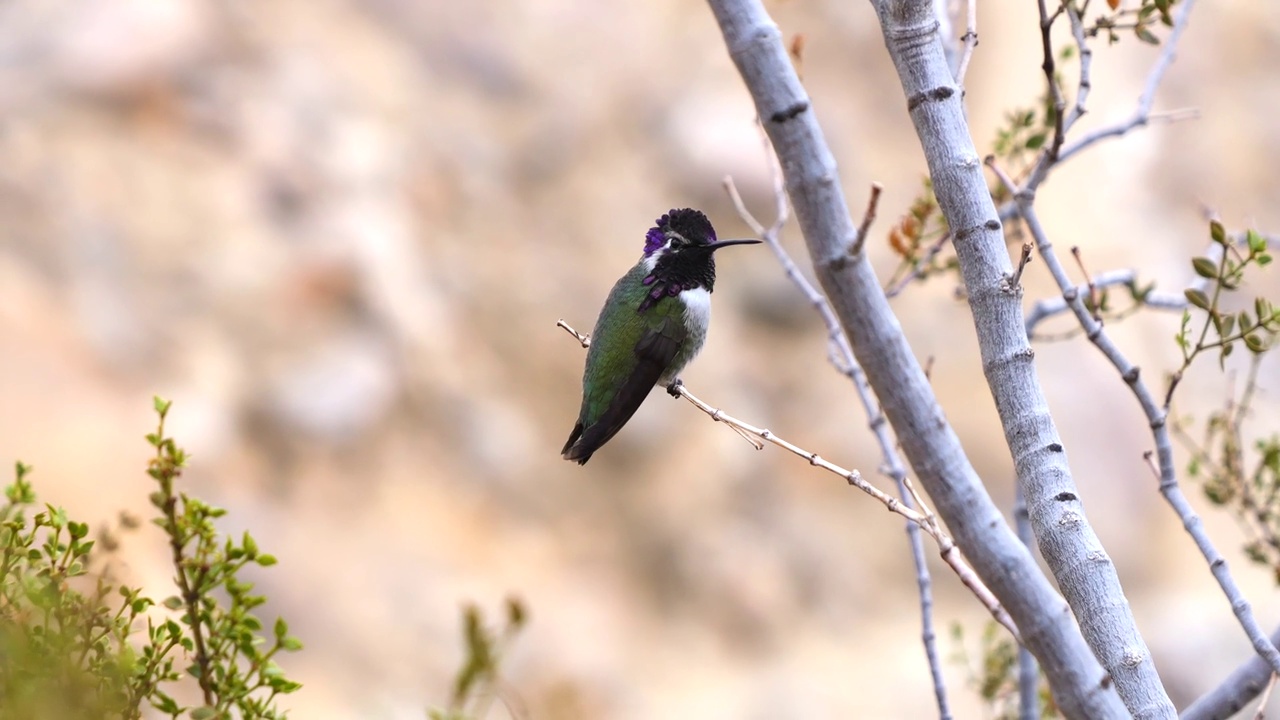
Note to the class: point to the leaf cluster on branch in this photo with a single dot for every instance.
(77, 643)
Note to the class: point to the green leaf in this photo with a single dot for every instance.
(1255, 343)
(1256, 242)
(266, 560)
(1217, 232)
(1204, 267)
(164, 703)
(1225, 324)
(1197, 298)
(173, 602)
(1146, 35)
(204, 713)
(281, 628)
(1035, 142)
(161, 405)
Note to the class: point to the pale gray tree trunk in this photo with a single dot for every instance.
(1081, 687)
(1072, 550)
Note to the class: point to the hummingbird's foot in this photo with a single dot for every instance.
(673, 388)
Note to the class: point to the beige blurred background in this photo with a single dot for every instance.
(338, 235)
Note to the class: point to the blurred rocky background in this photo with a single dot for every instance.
(338, 235)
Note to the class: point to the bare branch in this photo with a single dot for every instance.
(1028, 668)
(1142, 114)
(841, 356)
(1015, 280)
(969, 40)
(1244, 684)
(1050, 73)
(1137, 682)
(584, 340)
(868, 217)
(947, 548)
(1085, 83)
(1048, 307)
(932, 446)
(1157, 417)
(1093, 289)
(1261, 713)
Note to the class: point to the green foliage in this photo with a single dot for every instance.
(69, 644)
(1220, 329)
(478, 681)
(1142, 21)
(995, 677)
(1023, 134)
(231, 659)
(1239, 474)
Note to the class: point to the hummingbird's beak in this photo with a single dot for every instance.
(727, 243)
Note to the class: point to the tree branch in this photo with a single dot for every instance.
(1071, 549)
(1239, 689)
(928, 441)
(1142, 114)
(841, 356)
(925, 520)
(1048, 307)
(1157, 418)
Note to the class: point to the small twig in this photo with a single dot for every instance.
(840, 354)
(947, 548)
(1055, 91)
(1266, 696)
(1028, 668)
(1002, 176)
(1149, 457)
(868, 217)
(1093, 289)
(896, 288)
(1015, 280)
(969, 39)
(1048, 307)
(1085, 83)
(1142, 114)
(1230, 696)
(585, 340)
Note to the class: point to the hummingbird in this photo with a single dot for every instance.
(652, 324)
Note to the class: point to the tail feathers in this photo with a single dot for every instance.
(574, 450)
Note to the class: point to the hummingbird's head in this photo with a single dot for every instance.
(679, 229)
(678, 254)
(683, 232)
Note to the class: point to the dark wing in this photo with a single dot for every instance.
(654, 353)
